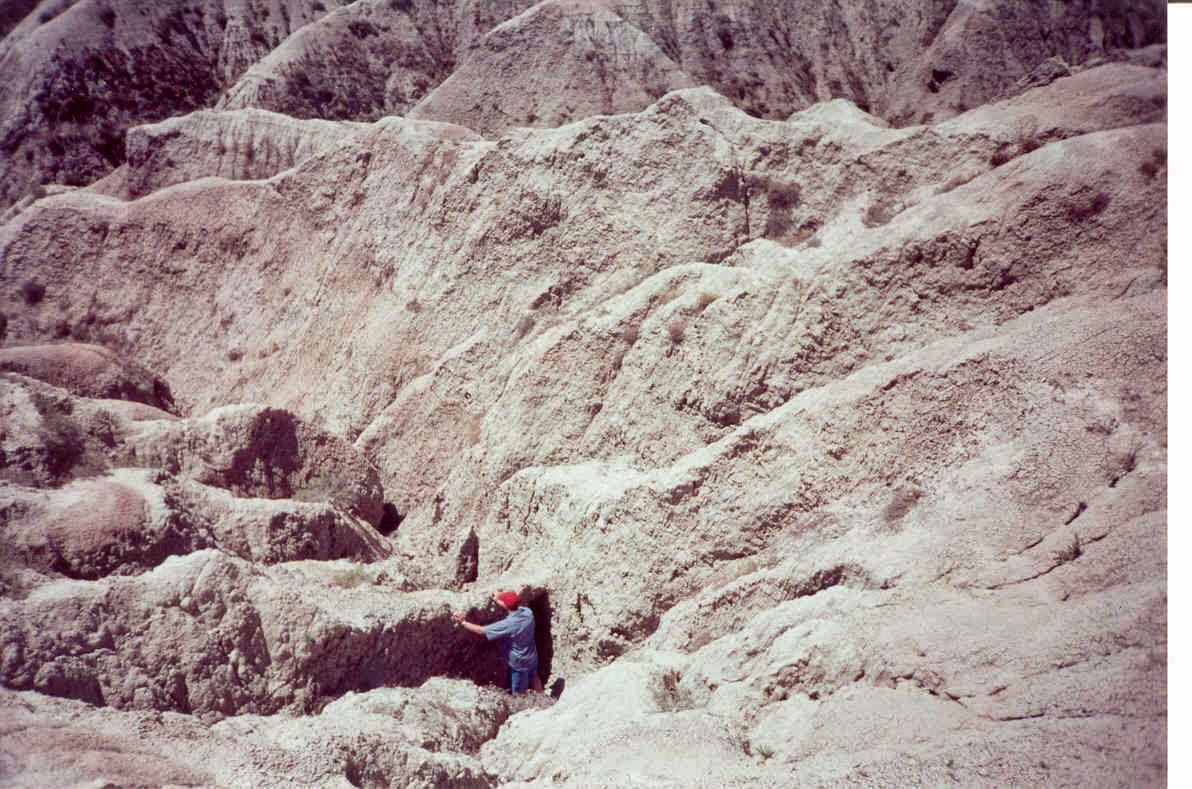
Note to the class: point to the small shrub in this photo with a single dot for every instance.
(705, 300)
(765, 751)
(904, 499)
(1069, 552)
(629, 334)
(32, 292)
(523, 326)
(676, 330)
(1157, 162)
(64, 441)
(668, 695)
(107, 16)
(955, 181)
(547, 212)
(879, 213)
(350, 579)
(1086, 208)
(781, 199)
(331, 485)
(361, 28)
(413, 306)
(1026, 139)
(1003, 154)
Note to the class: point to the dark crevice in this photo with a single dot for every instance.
(1080, 508)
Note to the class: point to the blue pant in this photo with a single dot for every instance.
(519, 681)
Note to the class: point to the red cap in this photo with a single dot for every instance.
(509, 599)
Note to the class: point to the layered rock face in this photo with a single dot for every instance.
(79, 74)
(803, 365)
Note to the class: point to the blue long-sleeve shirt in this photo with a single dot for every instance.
(516, 634)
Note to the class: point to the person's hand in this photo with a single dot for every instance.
(458, 617)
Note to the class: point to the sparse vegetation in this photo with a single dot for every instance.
(765, 751)
(902, 502)
(955, 181)
(676, 330)
(879, 213)
(1026, 139)
(1153, 165)
(781, 199)
(361, 28)
(32, 292)
(350, 579)
(64, 441)
(523, 326)
(329, 485)
(669, 695)
(1086, 206)
(1070, 551)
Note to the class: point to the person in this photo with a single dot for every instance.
(515, 634)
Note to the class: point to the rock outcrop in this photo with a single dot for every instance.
(96, 67)
(824, 447)
(77, 74)
(243, 145)
(85, 369)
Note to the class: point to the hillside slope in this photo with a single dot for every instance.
(825, 448)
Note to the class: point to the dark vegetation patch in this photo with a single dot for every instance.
(782, 198)
(362, 28)
(879, 213)
(1024, 144)
(1157, 162)
(1086, 206)
(65, 452)
(901, 503)
(955, 181)
(94, 98)
(32, 292)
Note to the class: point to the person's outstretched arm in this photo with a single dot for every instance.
(477, 629)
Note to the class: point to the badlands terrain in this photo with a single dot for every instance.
(802, 363)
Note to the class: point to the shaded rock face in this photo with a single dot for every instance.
(86, 370)
(825, 448)
(371, 59)
(93, 488)
(78, 74)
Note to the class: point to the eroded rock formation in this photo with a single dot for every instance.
(805, 371)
